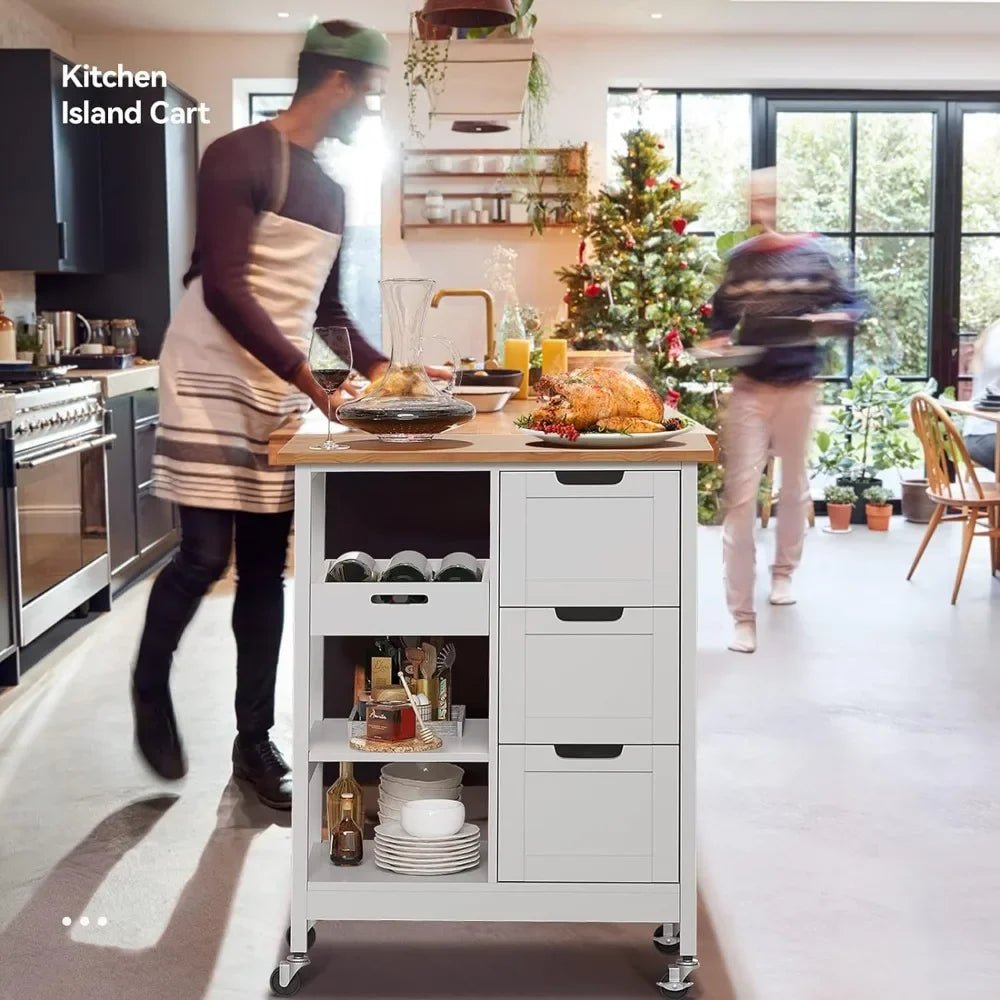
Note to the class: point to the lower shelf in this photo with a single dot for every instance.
(328, 744)
(323, 875)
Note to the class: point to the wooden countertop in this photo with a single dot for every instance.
(491, 439)
(121, 381)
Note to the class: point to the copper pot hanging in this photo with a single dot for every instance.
(469, 13)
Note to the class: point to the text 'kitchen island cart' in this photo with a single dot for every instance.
(586, 616)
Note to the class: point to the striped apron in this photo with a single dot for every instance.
(219, 405)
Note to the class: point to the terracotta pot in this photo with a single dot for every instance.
(878, 517)
(600, 359)
(432, 32)
(840, 515)
(917, 505)
(574, 162)
(859, 486)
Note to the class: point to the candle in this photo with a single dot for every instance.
(555, 356)
(517, 354)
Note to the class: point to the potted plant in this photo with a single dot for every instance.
(431, 32)
(840, 503)
(26, 342)
(870, 432)
(878, 509)
(424, 69)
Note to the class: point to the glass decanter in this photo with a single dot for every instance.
(404, 405)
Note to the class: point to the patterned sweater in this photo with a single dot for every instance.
(774, 275)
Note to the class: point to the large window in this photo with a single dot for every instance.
(906, 186)
(359, 168)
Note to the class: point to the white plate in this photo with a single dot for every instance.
(424, 775)
(428, 860)
(607, 440)
(408, 870)
(398, 795)
(394, 832)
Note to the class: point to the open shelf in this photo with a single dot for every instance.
(326, 876)
(329, 744)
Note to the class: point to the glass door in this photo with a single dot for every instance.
(979, 239)
(863, 173)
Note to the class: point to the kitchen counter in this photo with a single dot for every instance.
(121, 382)
(490, 439)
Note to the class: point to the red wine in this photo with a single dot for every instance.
(331, 379)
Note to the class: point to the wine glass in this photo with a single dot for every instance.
(330, 361)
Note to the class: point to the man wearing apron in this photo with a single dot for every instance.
(233, 369)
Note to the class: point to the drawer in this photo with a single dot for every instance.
(361, 609)
(145, 447)
(601, 544)
(588, 814)
(146, 404)
(576, 675)
(155, 519)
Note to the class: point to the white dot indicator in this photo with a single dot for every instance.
(67, 921)
(102, 921)
(84, 921)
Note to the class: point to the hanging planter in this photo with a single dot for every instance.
(469, 13)
(429, 32)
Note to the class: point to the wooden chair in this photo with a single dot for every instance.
(946, 456)
(774, 496)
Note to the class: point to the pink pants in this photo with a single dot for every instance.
(762, 420)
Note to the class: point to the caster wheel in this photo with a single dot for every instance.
(676, 993)
(290, 990)
(661, 946)
(310, 937)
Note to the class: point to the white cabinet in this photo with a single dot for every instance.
(589, 675)
(589, 814)
(590, 538)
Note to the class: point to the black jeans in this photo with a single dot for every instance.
(258, 611)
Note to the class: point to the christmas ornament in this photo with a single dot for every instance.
(568, 298)
(676, 183)
(593, 291)
(707, 310)
(672, 398)
(660, 145)
(680, 226)
(651, 182)
(675, 346)
(683, 265)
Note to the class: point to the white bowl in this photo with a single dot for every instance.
(486, 398)
(424, 775)
(432, 818)
(398, 795)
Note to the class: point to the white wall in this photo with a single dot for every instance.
(21, 27)
(583, 68)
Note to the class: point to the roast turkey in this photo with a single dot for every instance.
(604, 398)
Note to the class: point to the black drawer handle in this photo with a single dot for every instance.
(590, 478)
(399, 599)
(590, 614)
(583, 751)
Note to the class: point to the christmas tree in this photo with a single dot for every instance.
(643, 283)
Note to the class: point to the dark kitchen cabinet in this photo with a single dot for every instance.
(142, 525)
(50, 172)
(150, 176)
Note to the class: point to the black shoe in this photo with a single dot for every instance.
(156, 735)
(262, 765)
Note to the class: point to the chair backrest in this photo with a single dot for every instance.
(945, 453)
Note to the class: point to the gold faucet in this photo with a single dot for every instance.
(478, 293)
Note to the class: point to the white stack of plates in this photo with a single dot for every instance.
(403, 783)
(396, 851)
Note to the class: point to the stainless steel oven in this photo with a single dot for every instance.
(60, 506)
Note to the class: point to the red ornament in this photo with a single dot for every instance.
(683, 265)
(660, 145)
(630, 243)
(672, 398)
(593, 291)
(707, 310)
(676, 183)
(568, 298)
(651, 182)
(680, 226)
(675, 346)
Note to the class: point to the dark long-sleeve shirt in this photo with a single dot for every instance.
(781, 276)
(237, 180)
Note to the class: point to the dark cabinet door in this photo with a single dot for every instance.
(121, 485)
(77, 159)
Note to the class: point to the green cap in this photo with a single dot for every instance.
(366, 45)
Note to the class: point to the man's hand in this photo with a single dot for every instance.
(442, 374)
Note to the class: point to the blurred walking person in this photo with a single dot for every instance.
(770, 410)
(981, 435)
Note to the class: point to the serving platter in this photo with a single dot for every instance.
(607, 440)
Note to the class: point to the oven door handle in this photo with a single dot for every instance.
(54, 456)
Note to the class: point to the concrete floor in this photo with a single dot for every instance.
(849, 818)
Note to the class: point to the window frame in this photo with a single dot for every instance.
(946, 232)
